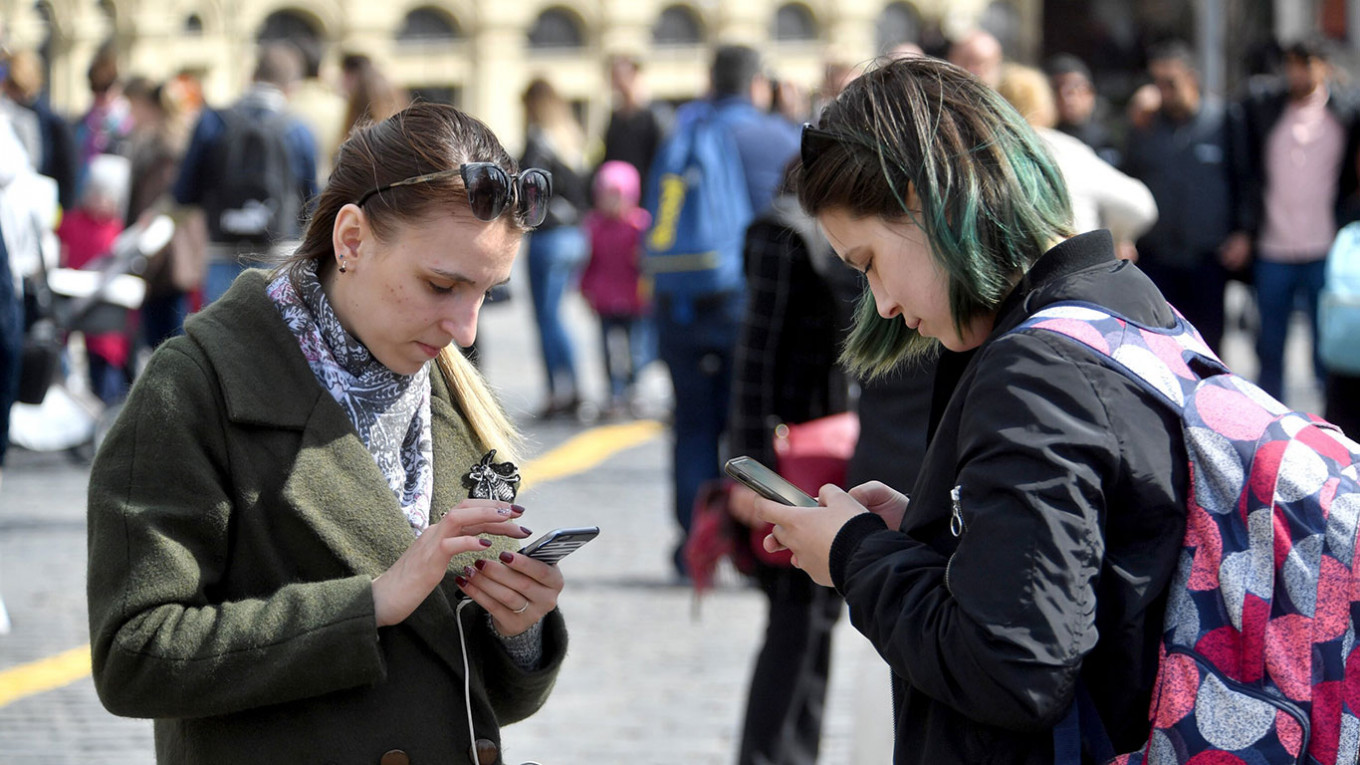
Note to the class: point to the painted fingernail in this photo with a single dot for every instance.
(460, 581)
(507, 557)
(486, 542)
(469, 571)
(525, 529)
(519, 509)
(479, 563)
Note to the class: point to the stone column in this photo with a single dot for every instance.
(84, 30)
(500, 72)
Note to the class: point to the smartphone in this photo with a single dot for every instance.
(767, 483)
(559, 543)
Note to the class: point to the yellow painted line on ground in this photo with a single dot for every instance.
(577, 455)
(587, 450)
(44, 675)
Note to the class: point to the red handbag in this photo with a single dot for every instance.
(809, 454)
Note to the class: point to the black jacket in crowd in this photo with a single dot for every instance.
(1072, 488)
(799, 297)
(1193, 170)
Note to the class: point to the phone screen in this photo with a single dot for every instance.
(559, 543)
(767, 483)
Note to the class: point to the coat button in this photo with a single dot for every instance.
(395, 757)
(487, 753)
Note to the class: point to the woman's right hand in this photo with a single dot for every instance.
(882, 500)
(399, 590)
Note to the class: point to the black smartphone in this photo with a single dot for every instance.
(559, 543)
(767, 483)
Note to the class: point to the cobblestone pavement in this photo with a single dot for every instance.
(648, 679)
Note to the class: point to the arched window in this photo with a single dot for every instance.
(794, 22)
(556, 28)
(287, 25)
(428, 25)
(678, 25)
(898, 23)
(193, 24)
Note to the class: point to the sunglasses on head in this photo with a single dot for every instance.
(491, 191)
(815, 142)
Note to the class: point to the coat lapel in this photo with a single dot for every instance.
(334, 486)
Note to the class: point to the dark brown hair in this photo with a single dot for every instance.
(422, 138)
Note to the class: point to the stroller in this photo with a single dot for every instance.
(56, 411)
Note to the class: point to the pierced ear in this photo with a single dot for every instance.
(349, 232)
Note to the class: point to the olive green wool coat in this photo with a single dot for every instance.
(236, 523)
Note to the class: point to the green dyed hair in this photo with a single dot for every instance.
(991, 198)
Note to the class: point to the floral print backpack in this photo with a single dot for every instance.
(1259, 659)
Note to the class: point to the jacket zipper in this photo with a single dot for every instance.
(956, 527)
(956, 524)
(1288, 707)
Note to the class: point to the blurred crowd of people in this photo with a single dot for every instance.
(145, 148)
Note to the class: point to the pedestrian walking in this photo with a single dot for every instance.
(155, 147)
(1066, 536)
(612, 279)
(251, 168)
(718, 168)
(300, 526)
(1303, 138)
(798, 300)
(558, 249)
(1187, 155)
(1079, 106)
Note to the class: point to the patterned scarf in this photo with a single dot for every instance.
(391, 412)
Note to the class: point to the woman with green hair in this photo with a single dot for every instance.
(1035, 554)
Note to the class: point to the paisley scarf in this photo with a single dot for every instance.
(391, 412)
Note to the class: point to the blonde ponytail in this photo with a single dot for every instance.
(484, 414)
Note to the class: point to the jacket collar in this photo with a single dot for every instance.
(264, 378)
(1067, 257)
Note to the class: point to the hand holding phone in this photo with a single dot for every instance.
(559, 543)
(767, 483)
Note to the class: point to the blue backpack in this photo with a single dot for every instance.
(696, 194)
(1339, 306)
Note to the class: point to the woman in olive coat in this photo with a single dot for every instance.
(300, 538)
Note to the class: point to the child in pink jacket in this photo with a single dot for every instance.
(612, 281)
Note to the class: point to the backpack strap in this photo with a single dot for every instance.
(1081, 725)
(1169, 363)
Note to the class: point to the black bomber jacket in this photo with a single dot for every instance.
(1067, 484)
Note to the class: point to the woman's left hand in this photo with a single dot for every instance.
(515, 589)
(809, 531)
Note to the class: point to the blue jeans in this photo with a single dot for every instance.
(699, 355)
(554, 257)
(219, 278)
(636, 334)
(1278, 289)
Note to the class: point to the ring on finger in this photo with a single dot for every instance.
(521, 609)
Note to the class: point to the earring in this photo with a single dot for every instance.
(343, 269)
